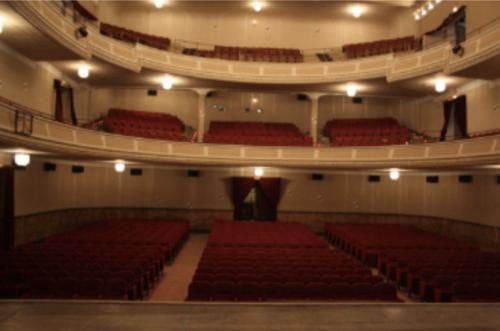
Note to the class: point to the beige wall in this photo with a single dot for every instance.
(281, 24)
(100, 186)
(478, 14)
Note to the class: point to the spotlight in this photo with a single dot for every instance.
(394, 174)
(423, 12)
(159, 3)
(458, 50)
(119, 166)
(357, 11)
(351, 91)
(83, 71)
(81, 32)
(257, 6)
(430, 6)
(417, 16)
(258, 172)
(440, 85)
(167, 83)
(1, 24)
(21, 159)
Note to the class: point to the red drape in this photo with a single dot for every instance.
(58, 113)
(447, 107)
(272, 189)
(74, 120)
(241, 187)
(461, 115)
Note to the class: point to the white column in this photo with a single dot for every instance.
(202, 97)
(314, 97)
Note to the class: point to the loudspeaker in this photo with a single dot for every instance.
(47, 166)
(357, 100)
(152, 93)
(467, 179)
(317, 176)
(77, 169)
(135, 172)
(432, 179)
(193, 173)
(498, 179)
(374, 179)
(302, 97)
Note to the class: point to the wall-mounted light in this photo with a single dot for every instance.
(21, 159)
(167, 83)
(259, 110)
(120, 166)
(394, 174)
(440, 85)
(255, 100)
(351, 90)
(455, 9)
(1, 23)
(257, 6)
(258, 172)
(159, 3)
(83, 71)
(357, 11)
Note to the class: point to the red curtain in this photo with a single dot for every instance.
(74, 120)
(461, 115)
(58, 114)
(241, 187)
(272, 189)
(447, 107)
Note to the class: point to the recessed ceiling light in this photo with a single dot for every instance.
(351, 90)
(440, 85)
(83, 71)
(257, 6)
(394, 174)
(120, 166)
(167, 83)
(21, 159)
(357, 11)
(159, 3)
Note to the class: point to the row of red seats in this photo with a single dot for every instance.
(127, 35)
(105, 253)
(340, 141)
(380, 47)
(256, 133)
(253, 54)
(145, 124)
(429, 266)
(255, 291)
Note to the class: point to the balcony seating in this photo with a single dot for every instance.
(366, 132)
(256, 133)
(379, 47)
(123, 34)
(144, 124)
(252, 54)
(116, 260)
(429, 266)
(279, 261)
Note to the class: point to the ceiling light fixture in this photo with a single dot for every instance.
(357, 11)
(120, 166)
(440, 85)
(167, 83)
(258, 172)
(394, 174)
(83, 71)
(159, 3)
(257, 6)
(21, 159)
(351, 90)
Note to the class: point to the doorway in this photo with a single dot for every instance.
(256, 199)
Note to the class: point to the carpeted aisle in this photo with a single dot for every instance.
(174, 284)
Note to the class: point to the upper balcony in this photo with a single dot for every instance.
(481, 45)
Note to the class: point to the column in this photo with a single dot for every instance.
(314, 97)
(202, 98)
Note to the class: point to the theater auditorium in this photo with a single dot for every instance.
(250, 165)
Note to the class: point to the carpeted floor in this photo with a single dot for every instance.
(174, 284)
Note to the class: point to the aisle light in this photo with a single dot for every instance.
(83, 71)
(21, 159)
(120, 166)
(394, 174)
